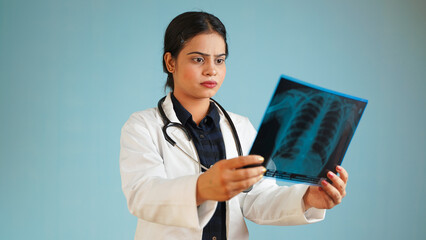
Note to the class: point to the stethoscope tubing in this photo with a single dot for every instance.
(168, 123)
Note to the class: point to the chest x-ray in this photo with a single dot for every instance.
(306, 131)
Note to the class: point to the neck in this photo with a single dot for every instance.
(197, 107)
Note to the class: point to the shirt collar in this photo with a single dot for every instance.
(184, 116)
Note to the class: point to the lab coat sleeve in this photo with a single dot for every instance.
(150, 194)
(271, 204)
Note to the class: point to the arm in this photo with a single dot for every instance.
(152, 195)
(226, 178)
(298, 204)
(271, 204)
(188, 199)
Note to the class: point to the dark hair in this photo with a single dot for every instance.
(184, 27)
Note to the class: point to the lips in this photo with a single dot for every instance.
(209, 84)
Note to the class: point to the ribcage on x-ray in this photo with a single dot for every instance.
(303, 120)
(327, 130)
(310, 135)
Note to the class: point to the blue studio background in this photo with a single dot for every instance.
(71, 73)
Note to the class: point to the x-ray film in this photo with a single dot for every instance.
(306, 131)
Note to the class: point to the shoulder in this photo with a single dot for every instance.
(239, 119)
(143, 119)
(245, 129)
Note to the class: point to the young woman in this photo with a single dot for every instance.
(172, 161)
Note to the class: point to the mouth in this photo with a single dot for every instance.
(209, 84)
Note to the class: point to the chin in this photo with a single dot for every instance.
(211, 93)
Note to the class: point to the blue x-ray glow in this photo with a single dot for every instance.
(306, 130)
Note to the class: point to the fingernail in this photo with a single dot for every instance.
(339, 168)
(320, 189)
(263, 170)
(324, 182)
(261, 159)
(330, 175)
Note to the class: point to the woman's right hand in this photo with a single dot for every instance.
(227, 178)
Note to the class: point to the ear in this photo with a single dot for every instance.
(170, 62)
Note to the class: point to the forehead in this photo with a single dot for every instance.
(209, 43)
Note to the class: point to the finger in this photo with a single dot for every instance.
(246, 173)
(331, 191)
(327, 201)
(242, 161)
(239, 186)
(338, 183)
(343, 174)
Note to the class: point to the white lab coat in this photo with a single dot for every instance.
(159, 182)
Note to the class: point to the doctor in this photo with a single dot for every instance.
(187, 190)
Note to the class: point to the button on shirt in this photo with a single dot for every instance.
(208, 141)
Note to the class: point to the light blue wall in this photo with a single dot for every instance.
(71, 72)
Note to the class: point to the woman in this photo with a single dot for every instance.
(181, 188)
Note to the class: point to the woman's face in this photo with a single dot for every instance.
(199, 69)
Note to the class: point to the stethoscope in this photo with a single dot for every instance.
(168, 123)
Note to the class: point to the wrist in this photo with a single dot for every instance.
(305, 200)
(198, 192)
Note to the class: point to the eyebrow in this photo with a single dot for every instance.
(207, 55)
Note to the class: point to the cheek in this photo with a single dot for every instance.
(222, 74)
(189, 73)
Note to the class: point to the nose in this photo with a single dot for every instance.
(210, 69)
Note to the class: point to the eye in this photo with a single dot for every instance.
(198, 59)
(220, 61)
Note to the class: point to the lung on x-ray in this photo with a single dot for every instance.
(306, 131)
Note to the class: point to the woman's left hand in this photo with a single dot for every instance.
(327, 195)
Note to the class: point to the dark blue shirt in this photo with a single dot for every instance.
(208, 141)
